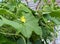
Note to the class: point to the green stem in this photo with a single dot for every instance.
(38, 5)
(52, 4)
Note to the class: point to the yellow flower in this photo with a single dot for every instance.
(22, 19)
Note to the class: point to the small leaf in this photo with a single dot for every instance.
(55, 13)
(53, 1)
(56, 21)
(24, 8)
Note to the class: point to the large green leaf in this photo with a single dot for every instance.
(38, 42)
(31, 24)
(25, 28)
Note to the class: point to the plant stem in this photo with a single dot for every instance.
(38, 5)
(26, 1)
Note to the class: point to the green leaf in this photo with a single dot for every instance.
(4, 40)
(12, 1)
(7, 12)
(11, 23)
(56, 21)
(1, 23)
(46, 8)
(30, 25)
(26, 30)
(35, 0)
(45, 1)
(24, 8)
(20, 41)
(30, 20)
(38, 42)
(55, 13)
(53, 1)
(53, 19)
(28, 42)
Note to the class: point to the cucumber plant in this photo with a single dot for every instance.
(21, 25)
